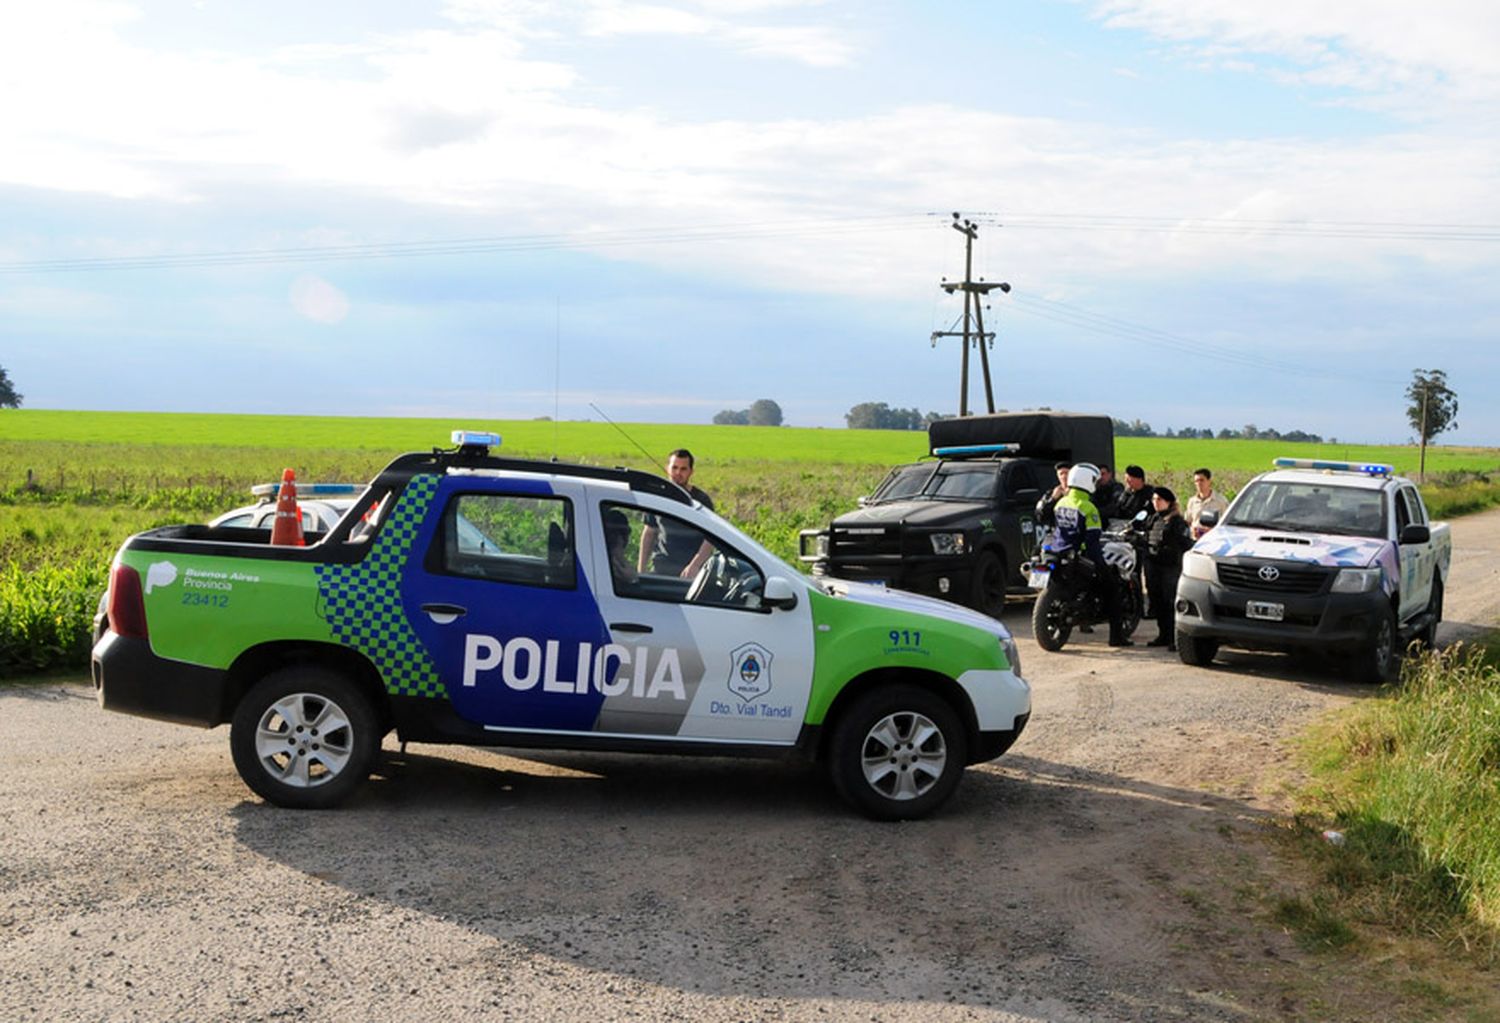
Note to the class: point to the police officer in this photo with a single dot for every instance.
(1044, 507)
(1107, 495)
(1167, 539)
(1079, 528)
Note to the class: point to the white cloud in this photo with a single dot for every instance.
(318, 300)
(1432, 61)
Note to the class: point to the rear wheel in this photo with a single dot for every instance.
(1428, 636)
(1130, 608)
(1196, 651)
(897, 753)
(1049, 622)
(987, 591)
(304, 737)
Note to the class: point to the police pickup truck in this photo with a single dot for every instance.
(1337, 557)
(469, 598)
(959, 526)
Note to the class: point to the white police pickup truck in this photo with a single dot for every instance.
(1333, 556)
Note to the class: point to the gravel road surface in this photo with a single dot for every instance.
(1107, 869)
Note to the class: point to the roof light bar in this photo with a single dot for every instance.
(961, 450)
(1364, 468)
(475, 439)
(309, 489)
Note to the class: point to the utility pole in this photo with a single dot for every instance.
(974, 291)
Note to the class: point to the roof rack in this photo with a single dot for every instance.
(403, 467)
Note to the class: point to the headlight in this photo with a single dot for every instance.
(1356, 580)
(948, 543)
(1198, 566)
(1012, 654)
(814, 545)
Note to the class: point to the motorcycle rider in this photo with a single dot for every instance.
(1079, 527)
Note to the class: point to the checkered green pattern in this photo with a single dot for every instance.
(362, 602)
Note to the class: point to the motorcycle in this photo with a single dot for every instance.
(1067, 596)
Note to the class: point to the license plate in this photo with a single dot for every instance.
(1038, 580)
(1265, 611)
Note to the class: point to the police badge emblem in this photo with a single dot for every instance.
(750, 671)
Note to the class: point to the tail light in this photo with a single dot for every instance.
(127, 607)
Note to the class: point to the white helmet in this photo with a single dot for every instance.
(1083, 476)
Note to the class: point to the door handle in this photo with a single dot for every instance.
(443, 614)
(628, 627)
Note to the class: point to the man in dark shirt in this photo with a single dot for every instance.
(1107, 494)
(669, 546)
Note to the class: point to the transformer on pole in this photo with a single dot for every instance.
(974, 292)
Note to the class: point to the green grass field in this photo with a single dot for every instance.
(602, 443)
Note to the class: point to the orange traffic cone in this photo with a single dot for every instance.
(286, 528)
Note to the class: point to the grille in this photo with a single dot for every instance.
(1292, 578)
(864, 542)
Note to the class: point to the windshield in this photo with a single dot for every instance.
(1310, 507)
(945, 481)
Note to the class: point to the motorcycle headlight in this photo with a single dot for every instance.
(948, 543)
(1356, 580)
(1198, 566)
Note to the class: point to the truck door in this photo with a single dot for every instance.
(495, 591)
(1417, 561)
(697, 658)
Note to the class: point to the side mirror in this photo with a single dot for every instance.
(1208, 519)
(862, 501)
(780, 593)
(1415, 533)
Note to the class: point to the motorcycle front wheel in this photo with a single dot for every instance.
(1049, 621)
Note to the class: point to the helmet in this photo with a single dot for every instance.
(1083, 476)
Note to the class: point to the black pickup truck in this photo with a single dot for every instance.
(959, 523)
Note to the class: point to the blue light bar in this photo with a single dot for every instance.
(475, 439)
(309, 489)
(1365, 468)
(976, 449)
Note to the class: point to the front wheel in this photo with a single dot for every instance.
(1376, 661)
(304, 737)
(1196, 651)
(1049, 621)
(897, 753)
(987, 593)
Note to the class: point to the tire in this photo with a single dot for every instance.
(897, 753)
(1130, 609)
(1427, 638)
(1048, 622)
(988, 586)
(284, 747)
(1196, 651)
(1377, 660)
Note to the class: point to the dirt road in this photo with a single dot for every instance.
(1109, 868)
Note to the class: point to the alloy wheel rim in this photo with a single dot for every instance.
(304, 740)
(903, 755)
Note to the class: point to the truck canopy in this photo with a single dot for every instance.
(1059, 436)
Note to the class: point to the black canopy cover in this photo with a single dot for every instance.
(1061, 436)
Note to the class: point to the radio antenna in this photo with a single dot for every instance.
(649, 460)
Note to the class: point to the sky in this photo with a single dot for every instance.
(1210, 213)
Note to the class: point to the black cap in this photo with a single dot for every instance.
(1165, 493)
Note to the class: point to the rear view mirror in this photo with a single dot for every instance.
(1208, 519)
(779, 593)
(1415, 533)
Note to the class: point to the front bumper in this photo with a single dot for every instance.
(1325, 621)
(946, 578)
(130, 679)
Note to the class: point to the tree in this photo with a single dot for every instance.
(1432, 408)
(8, 396)
(764, 412)
(732, 417)
(877, 415)
(1432, 405)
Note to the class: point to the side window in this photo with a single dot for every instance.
(1415, 512)
(509, 538)
(1403, 512)
(653, 556)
